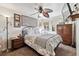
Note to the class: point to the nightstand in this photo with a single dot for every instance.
(17, 43)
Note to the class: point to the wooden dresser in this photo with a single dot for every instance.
(17, 43)
(66, 33)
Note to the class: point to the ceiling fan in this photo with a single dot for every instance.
(44, 11)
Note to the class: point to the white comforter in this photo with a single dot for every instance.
(43, 44)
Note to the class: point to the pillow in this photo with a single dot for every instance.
(25, 31)
(36, 30)
(43, 31)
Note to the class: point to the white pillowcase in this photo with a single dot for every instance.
(36, 30)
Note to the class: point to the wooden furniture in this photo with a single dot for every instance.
(17, 43)
(0, 50)
(65, 31)
(73, 17)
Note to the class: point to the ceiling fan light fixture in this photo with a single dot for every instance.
(46, 14)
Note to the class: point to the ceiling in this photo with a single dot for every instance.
(28, 8)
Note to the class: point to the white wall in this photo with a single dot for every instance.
(56, 20)
(77, 36)
(8, 13)
(53, 21)
(2, 23)
(4, 12)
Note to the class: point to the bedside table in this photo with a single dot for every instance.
(17, 43)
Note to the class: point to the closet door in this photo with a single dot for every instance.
(67, 34)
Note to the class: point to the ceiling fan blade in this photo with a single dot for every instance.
(36, 9)
(48, 10)
(34, 13)
(38, 16)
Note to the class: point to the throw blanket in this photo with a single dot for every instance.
(48, 41)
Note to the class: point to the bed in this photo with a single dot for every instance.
(45, 42)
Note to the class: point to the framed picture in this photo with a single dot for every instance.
(16, 20)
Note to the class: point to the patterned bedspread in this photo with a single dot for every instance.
(48, 41)
(44, 44)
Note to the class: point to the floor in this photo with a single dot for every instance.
(65, 50)
(24, 51)
(27, 51)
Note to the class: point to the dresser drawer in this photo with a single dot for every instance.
(17, 43)
(65, 31)
(17, 46)
(17, 40)
(20, 42)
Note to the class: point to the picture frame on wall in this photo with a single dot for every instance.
(16, 20)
